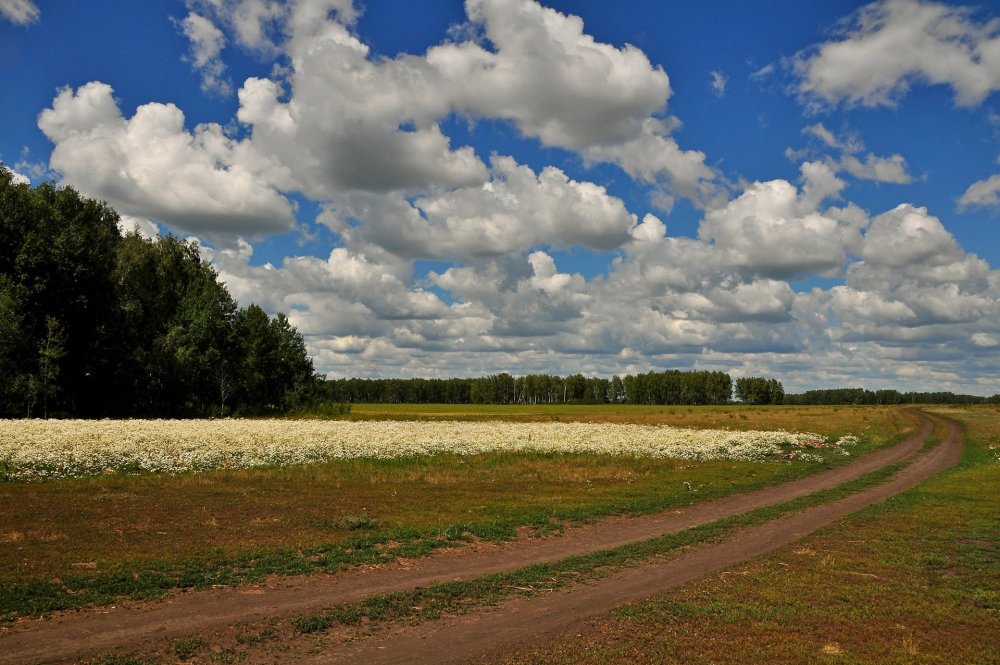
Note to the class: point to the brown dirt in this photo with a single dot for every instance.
(131, 626)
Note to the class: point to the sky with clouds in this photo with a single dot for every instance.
(809, 191)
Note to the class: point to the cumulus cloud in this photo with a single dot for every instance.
(914, 284)
(910, 294)
(880, 169)
(363, 137)
(768, 215)
(891, 44)
(543, 72)
(655, 157)
(19, 12)
(354, 123)
(261, 26)
(513, 211)
(207, 42)
(151, 166)
(982, 194)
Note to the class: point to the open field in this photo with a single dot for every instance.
(72, 542)
(296, 634)
(810, 418)
(914, 579)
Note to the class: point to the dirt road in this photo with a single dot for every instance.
(527, 622)
(129, 626)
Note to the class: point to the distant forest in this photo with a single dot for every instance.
(94, 323)
(862, 396)
(669, 387)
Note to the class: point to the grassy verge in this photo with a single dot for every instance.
(73, 543)
(913, 579)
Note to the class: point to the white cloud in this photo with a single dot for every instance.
(655, 157)
(880, 169)
(207, 42)
(353, 123)
(517, 209)
(915, 285)
(982, 194)
(892, 44)
(911, 295)
(551, 78)
(150, 166)
(140, 225)
(849, 144)
(718, 83)
(261, 26)
(774, 229)
(19, 179)
(362, 137)
(513, 211)
(890, 169)
(19, 12)
(908, 236)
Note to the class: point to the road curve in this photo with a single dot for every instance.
(524, 623)
(76, 635)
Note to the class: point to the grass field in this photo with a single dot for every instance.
(74, 542)
(913, 580)
(812, 418)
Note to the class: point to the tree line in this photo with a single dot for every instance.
(668, 387)
(884, 396)
(95, 323)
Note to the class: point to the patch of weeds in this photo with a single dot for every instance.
(224, 656)
(314, 623)
(188, 647)
(256, 638)
(114, 659)
(348, 523)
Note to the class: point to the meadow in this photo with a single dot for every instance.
(116, 529)
(914, 579)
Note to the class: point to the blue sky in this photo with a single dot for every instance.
(809, 191)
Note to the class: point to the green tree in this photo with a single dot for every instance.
(45, 381)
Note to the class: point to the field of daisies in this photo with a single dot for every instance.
(50, 449)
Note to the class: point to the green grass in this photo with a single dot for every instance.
(913, 579)
(73, 543)
(457, 597)
(185, 649)
(118, 660)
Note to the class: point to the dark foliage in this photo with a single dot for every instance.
(757, 390)
(94, 323)
(863, 396)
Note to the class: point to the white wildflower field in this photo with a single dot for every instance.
(49, 449)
